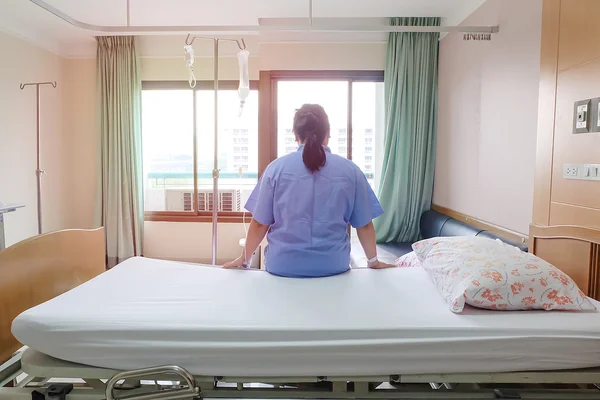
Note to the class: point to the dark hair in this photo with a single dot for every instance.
(311, 126)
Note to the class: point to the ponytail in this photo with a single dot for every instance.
(311, 126)
(313, 154)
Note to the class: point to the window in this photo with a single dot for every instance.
(367, 127)
(168, 138)
(354, 103)
(291, 94)
(178, 146)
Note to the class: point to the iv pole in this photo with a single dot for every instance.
(38, 170)
(215, 173)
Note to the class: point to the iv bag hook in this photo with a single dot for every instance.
(23, 85)
(190, 39)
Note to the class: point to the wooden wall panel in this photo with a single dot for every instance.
(582, 82)
(567, 214)
(570, 71)
(570, 256)
(546, 110)
(579, 32)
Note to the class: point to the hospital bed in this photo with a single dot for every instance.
(155, 329)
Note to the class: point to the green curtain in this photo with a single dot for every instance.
(406, 185)
(120, 94)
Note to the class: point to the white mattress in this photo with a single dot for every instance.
(212, 321)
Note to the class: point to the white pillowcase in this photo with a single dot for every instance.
(490, 274)
(408, 260)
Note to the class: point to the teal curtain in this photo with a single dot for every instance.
(120, 94)
(406, 185)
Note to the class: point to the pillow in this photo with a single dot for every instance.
(408, 260)
(490, 274)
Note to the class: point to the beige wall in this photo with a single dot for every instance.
(81, 165)
(23, 62)
(488, 99)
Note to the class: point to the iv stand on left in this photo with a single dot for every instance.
(215, 174)
(38, 170)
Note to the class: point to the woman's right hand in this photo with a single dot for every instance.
(381, 265)
(237, 263)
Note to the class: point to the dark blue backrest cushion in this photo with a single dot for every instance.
(434, 224)
(454, 227)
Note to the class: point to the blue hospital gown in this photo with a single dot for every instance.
(308, 214)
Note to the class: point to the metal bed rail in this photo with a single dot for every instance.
(175, 383)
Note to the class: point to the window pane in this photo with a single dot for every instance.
(167, 136)
(238, 148)
(333, 96)
(367, 128)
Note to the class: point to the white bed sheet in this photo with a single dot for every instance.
(147, 312)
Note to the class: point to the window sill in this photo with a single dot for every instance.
(223, 217)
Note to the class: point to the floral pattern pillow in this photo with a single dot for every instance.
(408, 260)
(490, 274)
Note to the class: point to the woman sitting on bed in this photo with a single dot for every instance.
(305, 201)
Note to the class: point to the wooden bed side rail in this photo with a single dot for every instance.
(42, 267)
(573, 249)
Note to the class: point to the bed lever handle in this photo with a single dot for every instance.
(191, 391)
(57, 391)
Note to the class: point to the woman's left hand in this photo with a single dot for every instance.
(237, 263)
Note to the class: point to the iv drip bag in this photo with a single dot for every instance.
(244, 88)
(189, 63)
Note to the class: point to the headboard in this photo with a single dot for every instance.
(573, 249)
(40, 268)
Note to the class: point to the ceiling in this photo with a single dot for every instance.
(25, 19)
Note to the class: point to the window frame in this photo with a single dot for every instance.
(196, 216)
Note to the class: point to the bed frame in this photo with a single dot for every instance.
(45, 266)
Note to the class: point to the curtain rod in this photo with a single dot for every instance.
(247, 29)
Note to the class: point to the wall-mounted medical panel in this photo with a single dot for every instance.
(582, 116)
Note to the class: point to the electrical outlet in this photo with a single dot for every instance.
(595, 115)
(591, 172)
(584, 172)
(571, 171)
(581, 117)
